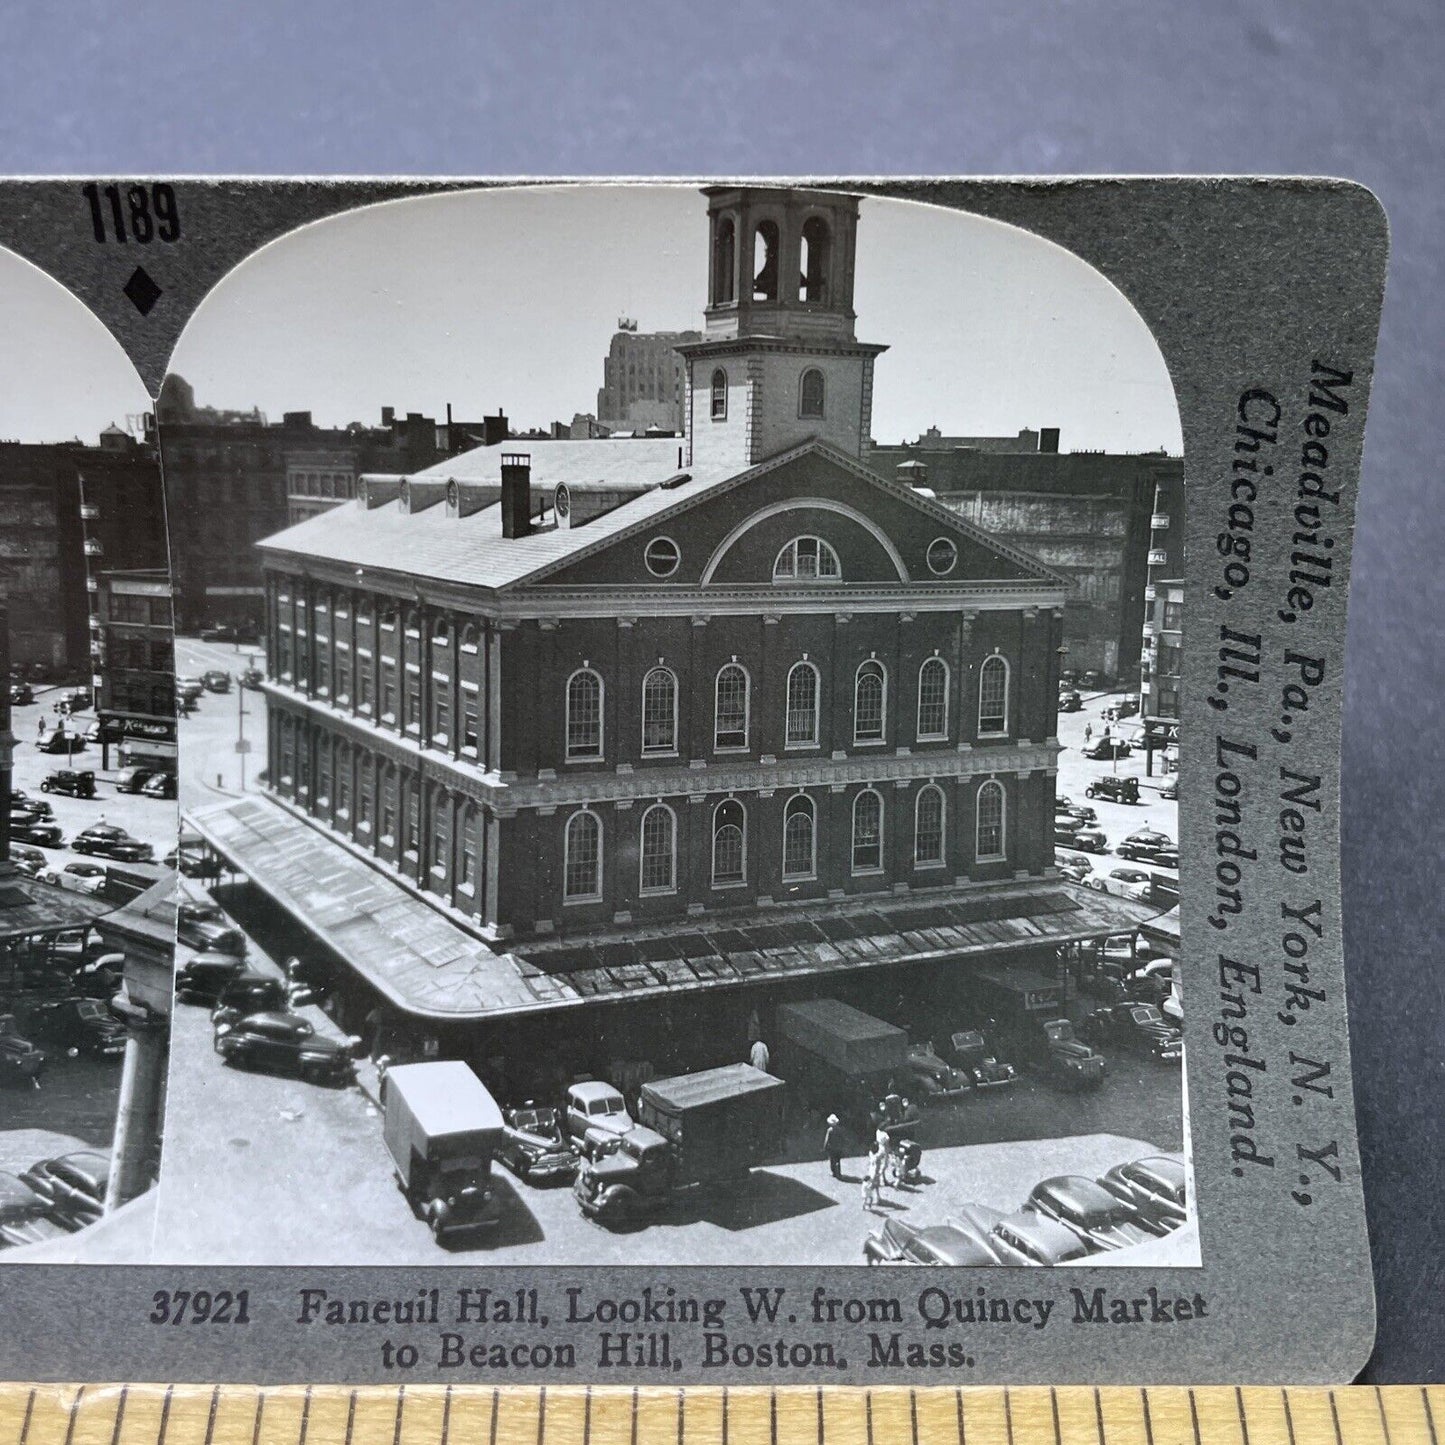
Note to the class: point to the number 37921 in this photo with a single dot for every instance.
(200, 1307)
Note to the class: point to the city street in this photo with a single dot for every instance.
(210, 766)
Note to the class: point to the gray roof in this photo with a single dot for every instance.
(471, 550)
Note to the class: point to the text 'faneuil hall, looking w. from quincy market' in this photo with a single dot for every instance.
(653, 689)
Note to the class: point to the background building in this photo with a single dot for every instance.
(136, 671)
(642, 380)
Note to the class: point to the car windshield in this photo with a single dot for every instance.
(611, 1105)
(1146, 1015)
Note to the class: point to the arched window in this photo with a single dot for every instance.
(659, 711)
(584, 714)
(659, 850)
(724, 261)
(933, 698)
(870, 692)
(807, 559)
(729, 843)
(928, 826)
(988, 839)
(810, 393)
(719, 400)
(582, 864)
(813, 283)
(730, 717)
(868, 832)
(765, 261)
(993, 695)
(802, 719)
(800, 859)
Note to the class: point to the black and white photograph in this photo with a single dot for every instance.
(679, 703)
(88, 768)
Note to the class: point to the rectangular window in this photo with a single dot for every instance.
(363, 680)
(343, 677)
(441, 720)
(411, 840)
(466, 859)
(343, 793)
(412, 720)
(1173, 616)
(1170, 659)
(471, 708)
(388, 691)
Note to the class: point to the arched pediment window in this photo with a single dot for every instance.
(807, 559)
(933, 698)
(800, 854)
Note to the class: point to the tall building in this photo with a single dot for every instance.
(676, 728)
(136, 671)
(1092, 516)
(68, 509)
(642, 380)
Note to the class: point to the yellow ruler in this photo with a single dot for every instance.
(576, 1415)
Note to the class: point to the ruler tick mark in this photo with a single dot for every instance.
(1149, 1418)
(119, 1415)
(1194, 1417)
(1053, 1405)
(74, 1411)
(541, 1415)
(1243, 1423)
(255, 1424)
(165, 1416)
(868, 1401)
(634, 1415)
(211, 1417)
(1384, 1419)
(1429, 1415)
(496, 1406)
(305, 1416)
(1099, 1414)
(25, 1422)
(957, 1410)
(446, 1414)
(396, 1423)
(819, 1410)
(1288, 1416)
(587, 1416)
(350, 1417)
(1008, 1415)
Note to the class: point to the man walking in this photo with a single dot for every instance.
(833, 1146)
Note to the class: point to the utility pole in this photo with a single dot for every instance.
(242, 746)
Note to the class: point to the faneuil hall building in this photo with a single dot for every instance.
(605, 747)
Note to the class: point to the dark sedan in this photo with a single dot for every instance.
(535, 1146)
(898, 1242)
(40, 832)
(72, 1186)
(1108, 748)
(1085, 1208)
(1144, 846)
(204, 978)
(82, 1024)
(251, 993)
(105, 840)
(286, 1043)
(210, 935)
(160, 785)
(216, 680)
(1134, 1027)
(21, 1062)
(23, 1217)
(1155, 1187)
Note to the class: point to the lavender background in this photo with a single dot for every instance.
(356, 87)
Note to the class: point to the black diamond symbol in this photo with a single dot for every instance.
(142, 291)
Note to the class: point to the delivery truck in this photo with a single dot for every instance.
(696, 1129)
(442, 1128)
(846, 1062)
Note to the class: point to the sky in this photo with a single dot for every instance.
(508, 299)
(62, 374)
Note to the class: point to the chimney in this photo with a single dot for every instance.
(1049, 440)
(494, 429)
(388, 416)
(516, 494)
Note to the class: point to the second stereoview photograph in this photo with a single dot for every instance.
(680, 715)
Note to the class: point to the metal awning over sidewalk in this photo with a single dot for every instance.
(429, 965)
(29, 907)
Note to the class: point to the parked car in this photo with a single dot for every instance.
(248, 993)
(193, 864)
(1166, 858)
(83, 1024)
(204, 978)
(210, 935)
(1137, 1028)
(933, 1078)
(1126, 707)
(22, 802)
(78, 877)
(23, 1215)
(21, 694)
(1022, 1237)
(1087, 840)
(76, 700)
(1108, 747)
(21, 1062)
(252, 678)
(535, 1146)
(596, 1114)
(72, 1186)
(190, 910)
(106, 840)
(27, 859)
(132, 780)
(61, 742)
(1092, 680)
(898, 1242)
(1155, 1187)
(39, 831)
(1070, 702)
(72, 783)
(1123, 883)
(216, 680)
(1073, 865)
(190, 688)
(161, 785)
(1100, 1220)
(971, 1054)
(1170, 790)
(1082, 812)
(1142, 846)
(1114, 789)
(1028, 1008)
(284, 1042)
(219, 632)
(1150, 981)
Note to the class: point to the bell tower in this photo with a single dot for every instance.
(780, 363)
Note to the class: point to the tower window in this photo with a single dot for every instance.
(807, 559)
(813, 283)
(810, 393)
(719, 399)
(724, 262)
(765, 261)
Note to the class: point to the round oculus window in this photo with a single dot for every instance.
(942, 555)
(562, 500)
(662, 556)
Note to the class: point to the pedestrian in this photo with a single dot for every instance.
(878, 1164)
(872, 1178)
(758, 1056)
(833, 1146)
(1088, 732)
